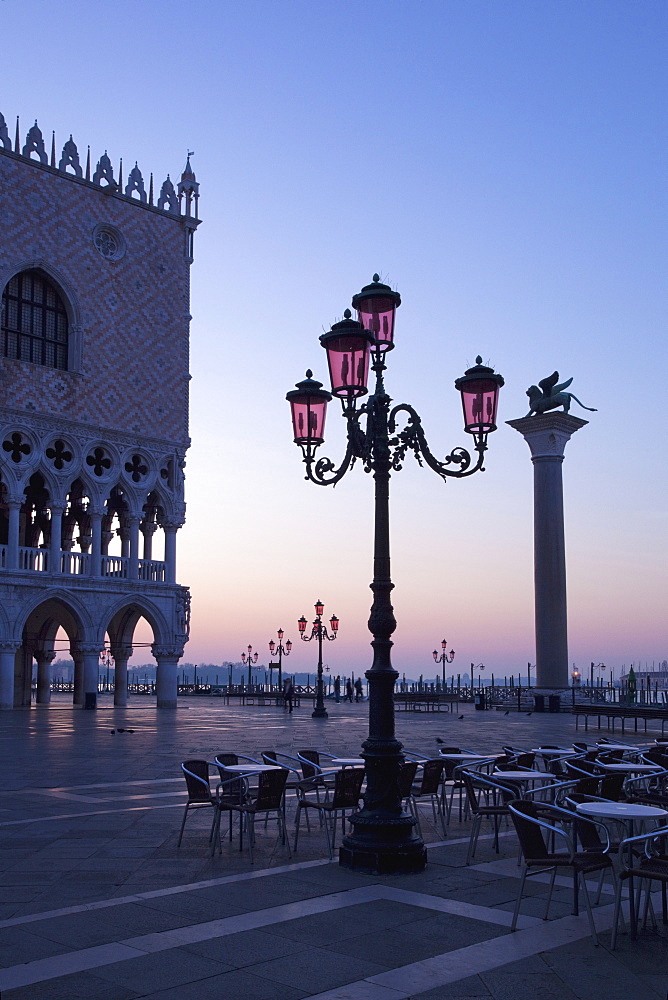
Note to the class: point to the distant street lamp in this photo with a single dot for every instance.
(250, 658)
(444, 657)
(575, 676)
(282, 651)
(319, 632)
(596, 666)
(385, 838)
(479, 667)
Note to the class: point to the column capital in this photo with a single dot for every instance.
(547, 434)
(44, 655)
(57, 506)
(121, 652)
(14, 500)
(86, 648)
(167, 652)
(9, 645)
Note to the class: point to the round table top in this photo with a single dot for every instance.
(347, 761)
(554, 751)
(628, 765)
(467, 756)
(251, 768)
(522, 775)
(621, 810)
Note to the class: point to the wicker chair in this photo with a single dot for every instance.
(196, 773)
(487, 798)
(345, 795)
(269, 798)
(530, 820)
(652, 867)
(429, 786)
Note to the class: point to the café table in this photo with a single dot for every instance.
(630, 766)
(251, 768)
(346, 762)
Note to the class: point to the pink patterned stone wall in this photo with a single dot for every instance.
(130, 316)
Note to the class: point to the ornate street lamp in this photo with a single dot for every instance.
(319, 632)
(384, 837)
(250, 658)
(444, 657)
(282, 651)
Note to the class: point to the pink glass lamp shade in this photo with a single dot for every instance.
(319, 608)
(272, 646)
(280, 633)
(301, 624)
(479, 387)
(348, 345)
(288, 646)
(334, 622)
(435, 655)
(308, 403)
(376, 307)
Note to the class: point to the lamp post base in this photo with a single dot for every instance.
(383, 846)
(319, 713)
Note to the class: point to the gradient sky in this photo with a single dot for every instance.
(504, 167)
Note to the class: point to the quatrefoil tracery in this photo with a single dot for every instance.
(16, 446)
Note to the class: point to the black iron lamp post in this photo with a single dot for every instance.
(282, 651)
(250, 658)
(444, 657)
(384, 837)
(319, 632)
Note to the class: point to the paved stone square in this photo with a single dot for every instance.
(97, 901)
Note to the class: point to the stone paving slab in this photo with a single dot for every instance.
(97, 901)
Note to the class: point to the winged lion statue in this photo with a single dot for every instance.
(547, 395)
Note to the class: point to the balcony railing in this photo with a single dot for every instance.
(74, 563)
(151, 570)
(116, 566)
(34, 560)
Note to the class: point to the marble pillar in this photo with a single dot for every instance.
(547, 435)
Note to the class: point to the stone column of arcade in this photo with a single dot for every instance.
(547, 435)
(57, 511)
(167, 658)
(44, 658)
(121, 655)
(90, 654)
(8, 652)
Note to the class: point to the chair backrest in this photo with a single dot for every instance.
(587, 832)
(347, 788)
(407, 777)
(227, 759)
(307, 759)
(611, 786)
(270, 788)
(269, 756)
(196, 773)
(430, 782)
(525, 760)
(530, 835)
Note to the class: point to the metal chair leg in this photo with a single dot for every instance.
(516, 911)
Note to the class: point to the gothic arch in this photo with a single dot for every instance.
(69, 298)
(71, 612)
(122, 620)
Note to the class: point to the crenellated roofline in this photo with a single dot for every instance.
(181, 203)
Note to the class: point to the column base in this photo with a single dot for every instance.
(319, 713)
(383, 846)
(167, 703)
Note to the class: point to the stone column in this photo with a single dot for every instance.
(57, 511)
(133, 530)
(14, 508)
(96, 542)
(148, 530)
(167, 658)
(45, 658)
(78, 695)
(121, 655)
(170, 551)
(547, 435)
(90, 654)
(8, 652)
